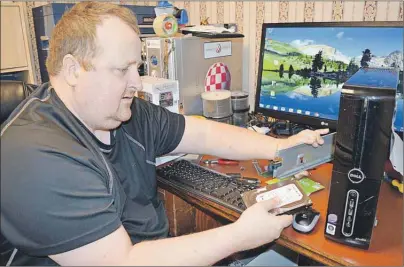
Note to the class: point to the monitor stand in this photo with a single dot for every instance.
(286, 128)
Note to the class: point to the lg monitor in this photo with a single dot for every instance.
(303, 66)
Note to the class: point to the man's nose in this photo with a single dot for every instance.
(136, 81)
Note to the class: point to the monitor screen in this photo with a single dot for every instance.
(303, 66)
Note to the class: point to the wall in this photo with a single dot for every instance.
(249, 16)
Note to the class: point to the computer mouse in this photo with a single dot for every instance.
(305, 221)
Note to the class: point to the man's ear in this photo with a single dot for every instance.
(70, 69)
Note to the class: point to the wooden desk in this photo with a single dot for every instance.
(196, 214)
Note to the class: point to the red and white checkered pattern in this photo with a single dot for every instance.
(218, 77)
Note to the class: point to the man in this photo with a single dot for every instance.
(78, 183)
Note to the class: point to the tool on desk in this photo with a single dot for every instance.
(257, 167)
(293, 160)
(221, 161)
(246, 179)
(395, 183)
(252, 180)
(398, 185)
(235, 175)
(259, 170)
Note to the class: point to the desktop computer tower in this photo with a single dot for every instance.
(364, 129)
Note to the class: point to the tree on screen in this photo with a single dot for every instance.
(281, 71)
(315, 84)
(291, 71)
(352, 67)
(367, 56)
(318, 61)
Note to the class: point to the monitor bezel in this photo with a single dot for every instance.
(301, 118)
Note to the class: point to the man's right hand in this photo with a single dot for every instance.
(256, 226)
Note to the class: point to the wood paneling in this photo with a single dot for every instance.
(181, 215)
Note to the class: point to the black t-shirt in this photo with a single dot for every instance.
(61, 188)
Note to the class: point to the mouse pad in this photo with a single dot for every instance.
(290, 193)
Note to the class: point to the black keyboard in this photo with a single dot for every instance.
(217, 187)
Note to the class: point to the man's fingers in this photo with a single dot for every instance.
(285, 220)
(322, 131)
(319, 139)
(319, 132)
(270, 204)
(310, 138)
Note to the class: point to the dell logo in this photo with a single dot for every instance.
(356, 176)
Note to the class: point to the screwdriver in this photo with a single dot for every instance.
(221, 162)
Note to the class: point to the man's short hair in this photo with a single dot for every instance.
(75, 33)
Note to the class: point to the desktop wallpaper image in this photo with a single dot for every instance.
(304, 69)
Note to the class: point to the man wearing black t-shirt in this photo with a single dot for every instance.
(78, 172)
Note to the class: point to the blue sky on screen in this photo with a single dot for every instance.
(349, 41)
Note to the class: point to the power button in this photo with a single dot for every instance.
(351, 205)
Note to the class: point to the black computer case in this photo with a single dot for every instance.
(362, 143)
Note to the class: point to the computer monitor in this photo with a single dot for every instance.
(303, 66)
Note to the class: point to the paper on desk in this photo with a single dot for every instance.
(164, 159)
(192, 157)
(309, 186)
(167, 158)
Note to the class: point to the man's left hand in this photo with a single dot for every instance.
(309, 137)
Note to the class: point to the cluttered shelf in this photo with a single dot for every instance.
(192, 213)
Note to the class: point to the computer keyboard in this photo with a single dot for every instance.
(201, 181)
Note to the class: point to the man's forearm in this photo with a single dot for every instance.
(204, 248)
(227, 141)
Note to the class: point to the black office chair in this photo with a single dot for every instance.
(12, 94)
